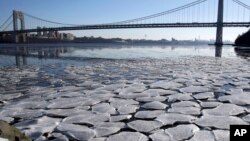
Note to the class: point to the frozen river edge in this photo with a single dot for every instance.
(189, 98)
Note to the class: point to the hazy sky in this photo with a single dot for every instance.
(105, 11)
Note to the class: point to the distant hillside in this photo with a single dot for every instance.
(243, 40)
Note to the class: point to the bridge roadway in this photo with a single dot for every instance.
(124, 26)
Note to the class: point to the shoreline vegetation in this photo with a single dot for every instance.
(243, 40)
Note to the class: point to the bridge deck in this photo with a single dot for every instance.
(124, 26)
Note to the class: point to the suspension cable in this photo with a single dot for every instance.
(132, 20)
(6, 21)
(11, 22)
(242, 4)
(162, 13)
(49, 21)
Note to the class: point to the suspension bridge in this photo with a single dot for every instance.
(197, 14)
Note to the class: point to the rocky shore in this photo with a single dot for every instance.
(10, 133)
(181, 99)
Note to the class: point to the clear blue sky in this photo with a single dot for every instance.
(105, 11)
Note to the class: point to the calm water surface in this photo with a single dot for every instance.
(20, 55)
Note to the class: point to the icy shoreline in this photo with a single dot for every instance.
(180, 99)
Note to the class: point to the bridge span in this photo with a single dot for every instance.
(141, 22)
(156, 25)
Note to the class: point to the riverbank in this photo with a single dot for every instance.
(194, 98)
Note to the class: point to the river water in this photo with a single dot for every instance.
(109, 89)
(39, 55)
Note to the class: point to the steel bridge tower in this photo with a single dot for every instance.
(219, 32)
(18, 16)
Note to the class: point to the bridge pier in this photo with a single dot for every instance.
(219, 32)
(18, 37)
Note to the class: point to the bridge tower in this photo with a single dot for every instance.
(219, 32)
(18, 16)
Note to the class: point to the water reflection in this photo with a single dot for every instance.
(21, 60)
(34, 54)
(41, 52)
(243, 53)
(22, 54)
(218, 51)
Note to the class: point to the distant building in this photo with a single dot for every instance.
(68, 36)
(45, 33)
(52, 34)
(41, 36)
(61, 36)
(39, 33)
(57, 34)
